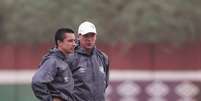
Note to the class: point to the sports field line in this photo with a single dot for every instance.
(24, 76)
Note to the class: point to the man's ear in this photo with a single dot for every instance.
(78, 37)
(59, 42)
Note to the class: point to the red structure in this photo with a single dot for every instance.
(142, 56)
(147, 83)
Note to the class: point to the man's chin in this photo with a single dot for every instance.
(89, 47)
(70, 51)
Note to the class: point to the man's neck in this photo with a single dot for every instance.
(88, 51)
(65, 53)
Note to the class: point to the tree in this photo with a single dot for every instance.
(116, 20)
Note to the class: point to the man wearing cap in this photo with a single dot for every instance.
(89, 65)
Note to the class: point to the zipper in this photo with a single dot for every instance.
(93, 77)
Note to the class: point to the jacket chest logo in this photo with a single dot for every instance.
(65, 79)
(101, 69)
(82, 70)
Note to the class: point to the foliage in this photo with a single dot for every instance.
(116, 20)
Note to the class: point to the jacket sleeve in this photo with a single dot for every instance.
(42, 78)
(107, 65)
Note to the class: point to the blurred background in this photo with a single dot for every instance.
(154, 46)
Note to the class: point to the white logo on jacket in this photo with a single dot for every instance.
(101, 69)
(82, 70)
(65, 79)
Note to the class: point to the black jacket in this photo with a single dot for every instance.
(53, 78)
(90, 73)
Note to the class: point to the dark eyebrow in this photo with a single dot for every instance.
(71, 40)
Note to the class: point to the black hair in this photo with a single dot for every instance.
(60, 34)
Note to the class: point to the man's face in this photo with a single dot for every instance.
(68, 44)
(88, 41)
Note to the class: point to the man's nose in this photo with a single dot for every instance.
(74, 43)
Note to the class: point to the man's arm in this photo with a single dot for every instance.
(107, 63)
(42, 79)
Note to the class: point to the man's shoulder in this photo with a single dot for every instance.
(51, 59)
(105, 59)
(47, 60)
(72, 57)
(102, 53)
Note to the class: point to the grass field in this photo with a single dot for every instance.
(15, 85)
(16, 93)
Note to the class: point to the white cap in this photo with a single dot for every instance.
(86, 27)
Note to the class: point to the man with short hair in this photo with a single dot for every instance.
(53, 80)
(89, 65)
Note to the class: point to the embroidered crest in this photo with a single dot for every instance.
(82, 70)
(101, 69)
(65, 79)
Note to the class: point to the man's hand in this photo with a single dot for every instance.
(56, 99)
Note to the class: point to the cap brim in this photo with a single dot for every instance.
(87, 33)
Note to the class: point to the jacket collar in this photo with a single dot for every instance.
(57, 52)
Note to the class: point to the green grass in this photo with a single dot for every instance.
(16, 93)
